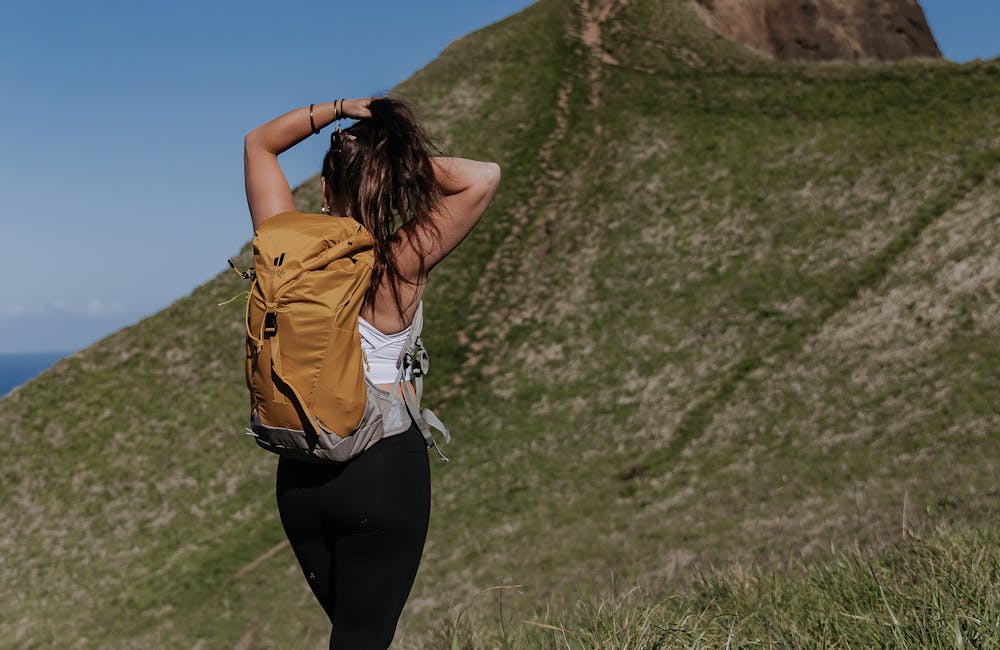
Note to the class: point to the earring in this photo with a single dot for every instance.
(325, 209)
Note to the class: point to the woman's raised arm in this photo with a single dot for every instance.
(467, 188)
(267, 188)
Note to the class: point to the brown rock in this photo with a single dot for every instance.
(824, 30)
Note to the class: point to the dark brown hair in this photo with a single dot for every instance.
(385, 179)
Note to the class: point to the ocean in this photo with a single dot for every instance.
(17, 368)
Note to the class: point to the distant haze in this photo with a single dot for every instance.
(15, 369)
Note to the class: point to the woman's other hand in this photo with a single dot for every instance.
(467, 188)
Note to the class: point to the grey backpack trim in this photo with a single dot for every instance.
(385, 415)
(415, 356)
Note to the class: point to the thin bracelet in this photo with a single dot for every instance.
(312, 123)
(339, 109)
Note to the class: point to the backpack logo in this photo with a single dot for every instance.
(278, 261)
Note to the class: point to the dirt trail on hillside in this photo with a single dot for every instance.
(260, 558)
(594, 14)
(553, 186)
(501, 265)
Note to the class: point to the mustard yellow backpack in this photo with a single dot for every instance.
(309, 397)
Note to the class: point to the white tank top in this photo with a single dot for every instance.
(382, 351)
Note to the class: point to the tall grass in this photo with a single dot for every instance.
(942, 591)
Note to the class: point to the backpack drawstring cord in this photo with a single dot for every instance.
(241, 293)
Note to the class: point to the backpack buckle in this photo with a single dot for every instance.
(249, 274)
(419, 360)
(270, 324)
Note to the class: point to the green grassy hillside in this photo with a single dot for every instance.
(724, 311)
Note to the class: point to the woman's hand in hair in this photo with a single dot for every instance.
(356, 108)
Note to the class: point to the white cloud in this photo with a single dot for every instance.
(94, 308)
(19, 310)
(101, 308)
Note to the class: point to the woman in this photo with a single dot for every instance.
(358, 528)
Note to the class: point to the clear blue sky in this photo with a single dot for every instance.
(121, 125)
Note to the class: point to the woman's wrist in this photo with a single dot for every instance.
(287, 130)
(321, 115)
(324, 114)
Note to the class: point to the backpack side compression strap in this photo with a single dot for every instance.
(412, 404)
(423, 417)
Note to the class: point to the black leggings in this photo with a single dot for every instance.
(358, 530)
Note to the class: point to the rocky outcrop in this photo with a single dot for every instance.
(824, 30)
